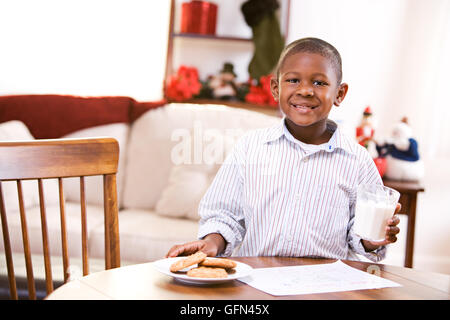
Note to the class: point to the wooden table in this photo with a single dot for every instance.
(408, 199)
(142, 281)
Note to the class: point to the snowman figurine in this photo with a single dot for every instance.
(223, 85)
(402, 155)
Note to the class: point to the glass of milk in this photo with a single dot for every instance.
(375, 204)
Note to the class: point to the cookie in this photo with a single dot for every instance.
(207, 272)
(218, 263)
(188, 261)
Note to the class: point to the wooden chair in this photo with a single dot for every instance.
(60, 158)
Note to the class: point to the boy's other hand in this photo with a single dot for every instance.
(190, 248)
(212, 245)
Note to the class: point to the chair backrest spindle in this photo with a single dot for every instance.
(64, 245)
(26, 243)
(45, 242)
(7, 245)
(84, 241)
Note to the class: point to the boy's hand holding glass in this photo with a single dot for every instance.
(375, 220)
(390, 235)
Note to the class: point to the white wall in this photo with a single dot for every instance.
(84, 47)
(366, 34)
(395, 59)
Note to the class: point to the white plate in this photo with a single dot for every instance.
(163, 265)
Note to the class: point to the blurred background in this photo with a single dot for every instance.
(395, 59)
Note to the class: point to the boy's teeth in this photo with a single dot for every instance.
(300, 106)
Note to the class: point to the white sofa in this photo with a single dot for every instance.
(168, 158)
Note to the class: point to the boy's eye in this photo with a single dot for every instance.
(293, 80)
(319, 83)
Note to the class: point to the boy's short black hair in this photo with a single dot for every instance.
(313, 45)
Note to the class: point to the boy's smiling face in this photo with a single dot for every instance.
(307, 88)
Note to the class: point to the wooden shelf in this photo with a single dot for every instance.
(210, 37)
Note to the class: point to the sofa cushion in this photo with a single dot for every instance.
(186, 187)
(189, 181)
(139, 108)
(52, 116)
(155, 134)
(144, 235)
(14, 130)
(95, 217)
(17, 130)
(94, 185)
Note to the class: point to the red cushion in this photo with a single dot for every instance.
(52, 116)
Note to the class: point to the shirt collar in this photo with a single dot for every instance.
(337, 141)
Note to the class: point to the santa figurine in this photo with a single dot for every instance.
(365, 137)
(402, 155)
(365, 130)
(365, 133)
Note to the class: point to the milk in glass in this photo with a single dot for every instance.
(375, 204)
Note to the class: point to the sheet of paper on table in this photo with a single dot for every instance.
(321, 278)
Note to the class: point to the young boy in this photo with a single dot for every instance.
(290, 190)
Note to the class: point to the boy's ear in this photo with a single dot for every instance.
(342, 91)
(274, 88)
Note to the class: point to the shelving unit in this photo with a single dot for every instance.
(212, 40)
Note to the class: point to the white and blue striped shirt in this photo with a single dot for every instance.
(277, 196)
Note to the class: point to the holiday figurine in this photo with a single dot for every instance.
(365, 130)
(223, 85)
(402, 155)
(365, 137)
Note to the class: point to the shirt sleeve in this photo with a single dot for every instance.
(221, 209)
(368, 174)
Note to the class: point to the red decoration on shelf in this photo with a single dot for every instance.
(261, 94)
(184, 84)
(198, 17)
